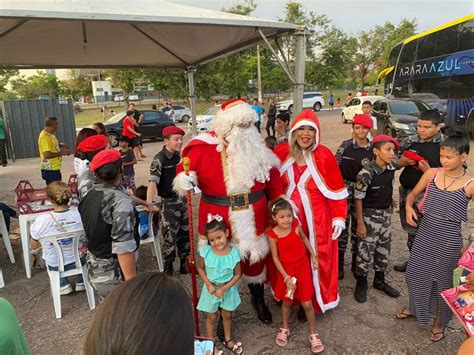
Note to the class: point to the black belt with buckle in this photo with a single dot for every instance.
(236, 201)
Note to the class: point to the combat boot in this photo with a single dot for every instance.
(401, 267)
(341, 266)
(183, 266)
(168, 268)
(360, 293)
(258, 302)
(380, 284)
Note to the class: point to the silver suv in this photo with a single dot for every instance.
(312, 100)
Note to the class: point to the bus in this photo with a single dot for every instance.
(436, 67)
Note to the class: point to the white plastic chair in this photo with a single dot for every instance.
(54, 276)
(155, 239)
(8, 245)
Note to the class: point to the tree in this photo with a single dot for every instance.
(32, 87)
(374, 46)
(75, 86)
(5, 76)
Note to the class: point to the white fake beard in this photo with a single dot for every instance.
(248, 159)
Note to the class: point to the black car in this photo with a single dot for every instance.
(397, 118)
(151, 127)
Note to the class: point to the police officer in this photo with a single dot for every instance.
(107, 213)
(373, 200)
(419, 152)
(174, 210)
(352, 155)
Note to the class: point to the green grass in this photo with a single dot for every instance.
(90, 115)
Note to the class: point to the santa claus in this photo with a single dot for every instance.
(236, 174)
(312, 180)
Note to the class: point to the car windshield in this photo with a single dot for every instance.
(404, 108)
(212, 111)
(116, 118)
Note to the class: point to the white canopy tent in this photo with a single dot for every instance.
(140, 34)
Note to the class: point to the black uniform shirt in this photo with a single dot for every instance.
(374, 186)
(163, 171)
(352, 158)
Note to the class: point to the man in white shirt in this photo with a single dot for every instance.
(367, 110)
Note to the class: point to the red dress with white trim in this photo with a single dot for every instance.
(318, 191)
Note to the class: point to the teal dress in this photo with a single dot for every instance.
(219, 270)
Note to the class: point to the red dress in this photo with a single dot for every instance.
(293, 257)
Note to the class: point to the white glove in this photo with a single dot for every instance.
(187, 182)
(336, 232)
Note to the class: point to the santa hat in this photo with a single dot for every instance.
(307, 118)
(233, 113)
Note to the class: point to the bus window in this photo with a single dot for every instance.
(466, 34)
(447, 41)
(408, 52)
(426, 46)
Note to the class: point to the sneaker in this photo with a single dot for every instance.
(80, 287)
(65, 290)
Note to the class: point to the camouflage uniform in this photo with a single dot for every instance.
(351, 220)
(174, 209)
(108, 216)
(86, 182)
(405, 144)
(174, 228)
(375, 248)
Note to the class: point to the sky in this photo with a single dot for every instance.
(356, 16)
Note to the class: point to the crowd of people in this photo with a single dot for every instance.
(279, 211)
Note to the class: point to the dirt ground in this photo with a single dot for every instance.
(351, 328)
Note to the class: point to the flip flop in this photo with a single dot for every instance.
(402, 315)
(434, 334)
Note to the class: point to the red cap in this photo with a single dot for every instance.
(93, 144)
(363, 120)
(104, 157)
(169, 130)
(384, 138)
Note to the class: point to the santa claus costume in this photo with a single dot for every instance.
(236, 173)
(319, 193)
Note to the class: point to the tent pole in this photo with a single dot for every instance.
(192, 98)
(299, 71)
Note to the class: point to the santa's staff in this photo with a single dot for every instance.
(191, 261)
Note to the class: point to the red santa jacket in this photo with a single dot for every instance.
(247, 227)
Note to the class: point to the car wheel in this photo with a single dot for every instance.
(185, 118)
(389, 131)
(344, 121)
(290, 109)
(114, 139)
(317, 106)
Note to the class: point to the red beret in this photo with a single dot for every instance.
(363, 120)
(104, 157)
(93, 144)
(384, 138)
(169, 130)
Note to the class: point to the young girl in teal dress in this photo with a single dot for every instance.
(219, 268)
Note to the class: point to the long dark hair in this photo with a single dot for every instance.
(149, 314)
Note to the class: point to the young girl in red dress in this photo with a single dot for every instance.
(290, 248)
